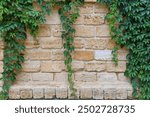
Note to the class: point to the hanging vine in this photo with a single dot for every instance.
(128, 21)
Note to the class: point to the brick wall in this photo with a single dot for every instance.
(96, 77)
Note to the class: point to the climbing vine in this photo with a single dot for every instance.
(128, 21)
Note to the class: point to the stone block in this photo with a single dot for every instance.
(57, 55)
(31, 66)
(14, 93)
(95, 66)
(121, 94)
(122, 77)
(85, 76)
(98, 93)
(44, 31)
(103, 55)
(104, 76)
(61, 92)
(50, 93)
(26, 93)
(38, 93)
(109, 93)
(86, 93)
(103, 31)
(42, 76)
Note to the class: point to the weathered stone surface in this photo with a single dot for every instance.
(52, 66)
(50, 93)
(14, 93)
(83, 55)
(84, 31)
(38, 55)
(95, 66)
(87, 9)
(98, 93)
(42, 76)
(85, 93)
(129, 94)
(45, 31)
(111, 44)
(122, 54)
(1, 67)
(93, 19)
(61, 92)
(99, 8)
(121, 94)
(32, 44)
(121, 77)
(104, 76)
(57, 55)
(1, 54)
(103, 55)
(120, 68)
(38, 93)
(24, 77)
(78, 65)
(85, 76)
(78, 43)
(56, 30)
(102, 31)
(99, 43)
(26, 93)
(61, 77)
(109, 93)
(51, 43)
(31, 66)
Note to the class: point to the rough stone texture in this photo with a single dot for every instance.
(95, 66)
(51, 43)
(38, 93)
(14, 93)
(31, 66)
(1, 66)
(102, 31)
(1, 54)
(45, 31)
(121, 77)
(85, 93)
(97, 93)
(104, 76)
(99, 43)
(52, 66)
(42, 76)
(120, 68)
(31, 44)
(103, 55)
(121, 94)
(38, 55)
(83, 55)
(61, 92)
(85, 31)
(85, 76)
(24, 77)
(109, 94)
(50, 93)
(26, 93)
(57, 55)
(60, 77)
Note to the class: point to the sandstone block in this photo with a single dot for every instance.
(85, 76)
(95, 43)
(57, 55)
(83, 55)
(104, 76)
(129, 94)
(122, 77)
(111, 44)
(78, 65)
(52, 66)
(93, 19)
(31, 66)
(120, 68)
(31, 44)
(38, 55)
(38, 93)
(84, 31)
(109, 94)
(87, 8)
(56, 30)
(61, 77)
(1, 54)
(78, 43)
(121, 94)
(14, 93)
(61, 92)
(102, 31)
(26, 93)
(95, 66)
(50, 93)
(24, 77)
(42, 76)
(98, 93)
(99, 8)
(103, 55)
(51, 43)
(1, 67)
(85, 93)
(44, 31)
